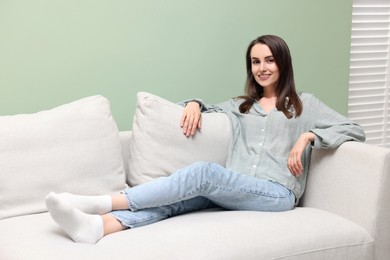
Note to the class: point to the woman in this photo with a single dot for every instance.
(273, 129)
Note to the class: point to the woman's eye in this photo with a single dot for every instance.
(270, 61)
(255, 62)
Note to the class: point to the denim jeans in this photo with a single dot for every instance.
(199, 186)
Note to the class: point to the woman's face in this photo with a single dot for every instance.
(264, 67)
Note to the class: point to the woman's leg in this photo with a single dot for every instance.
(223, 187)
(111, 224)
(148, 216)
(90, 228)
(119, 202)
(169, 196)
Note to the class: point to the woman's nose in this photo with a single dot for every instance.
(262, 67)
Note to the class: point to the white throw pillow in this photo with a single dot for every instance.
(74, 147)
(158, 146)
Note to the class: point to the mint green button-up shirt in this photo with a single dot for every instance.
(261, 142)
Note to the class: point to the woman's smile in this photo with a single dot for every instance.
(264, 76)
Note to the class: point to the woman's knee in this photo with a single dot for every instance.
(206, 166)
(206, 170)
(202, 167)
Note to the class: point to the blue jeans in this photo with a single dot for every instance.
(199, 186)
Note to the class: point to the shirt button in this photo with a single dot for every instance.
(254, 166)
(262, 130)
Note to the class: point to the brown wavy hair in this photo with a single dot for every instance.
(287, 100)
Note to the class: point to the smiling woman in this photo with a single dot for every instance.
(266, 168)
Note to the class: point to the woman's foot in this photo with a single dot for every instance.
(81, 227)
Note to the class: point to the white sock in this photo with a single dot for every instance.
(101, 204)
(81, 227)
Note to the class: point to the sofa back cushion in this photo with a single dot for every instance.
(74, 147)
(158, 146)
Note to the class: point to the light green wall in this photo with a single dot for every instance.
(53, 52)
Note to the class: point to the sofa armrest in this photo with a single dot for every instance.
(353, 181)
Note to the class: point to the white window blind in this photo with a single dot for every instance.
(369, 90)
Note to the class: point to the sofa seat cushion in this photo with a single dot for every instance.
(303, 233)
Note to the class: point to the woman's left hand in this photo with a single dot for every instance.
(294, 161)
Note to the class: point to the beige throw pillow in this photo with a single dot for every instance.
(158, 146)
(74, 147)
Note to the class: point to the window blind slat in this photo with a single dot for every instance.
(367, 63)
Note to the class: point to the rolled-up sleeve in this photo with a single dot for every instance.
(331, 128)
(205, 108)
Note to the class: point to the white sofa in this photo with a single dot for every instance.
(344, 214)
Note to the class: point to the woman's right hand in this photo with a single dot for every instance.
(191, 118)
(294, 162)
